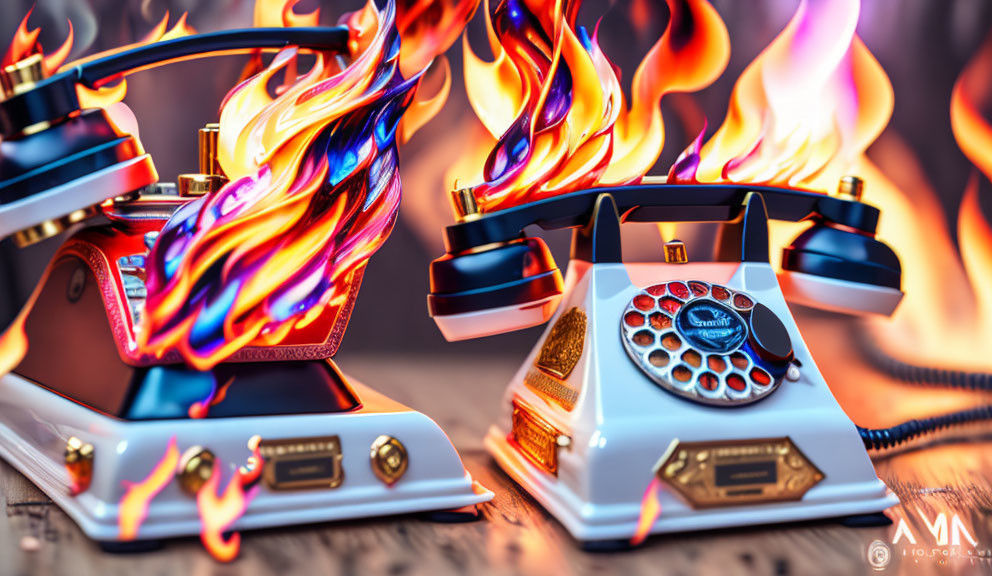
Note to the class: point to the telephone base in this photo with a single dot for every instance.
(35, 425)
(586, 432)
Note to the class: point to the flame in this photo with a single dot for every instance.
(650, 511)
(804, 111)
(280, 13)
(553, 99)
(201, 408)
(217, 514)
(106, 95)
(134, 504)
(26, 43)
(313, 194)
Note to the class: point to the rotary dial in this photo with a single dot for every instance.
(706, 342)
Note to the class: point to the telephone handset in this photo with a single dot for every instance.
(493, 279)
(58, 160)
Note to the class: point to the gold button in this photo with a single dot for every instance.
(79, 464)
(389, 459)
(195, 468)
(675, 252)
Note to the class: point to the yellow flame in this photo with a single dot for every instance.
(133, 507)
(650, 511)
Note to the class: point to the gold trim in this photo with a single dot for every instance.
(737, 472)
(552, 388)
(535, 438)
(78, 458)
(301, 450)
(562, 349)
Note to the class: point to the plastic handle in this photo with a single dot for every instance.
(91, 74)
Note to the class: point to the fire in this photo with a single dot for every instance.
(313, 194)
(201, 408)
(804, 111)
(554, 102)
(650, 511)
(26, 43)
(133, 507)
(217, 514)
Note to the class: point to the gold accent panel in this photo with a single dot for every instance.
(675, 252)
(389, 459)
(195, 467)
(209, 135)
(563, 347)
(296, 463)
(535, 438)
(736, 472)
(199, 184)
(552, 388)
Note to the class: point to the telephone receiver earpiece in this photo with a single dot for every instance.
(57, 160)
(494, 280)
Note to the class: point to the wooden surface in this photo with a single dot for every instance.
(515, 536)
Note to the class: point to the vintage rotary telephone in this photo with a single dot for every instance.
(87, 413)
(743, 430)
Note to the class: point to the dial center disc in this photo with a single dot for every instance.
(711, 326)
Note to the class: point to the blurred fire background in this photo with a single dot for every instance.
(923, 46)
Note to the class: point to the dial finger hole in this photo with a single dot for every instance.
(643, 338)
(633, 319)
(699, 288)
(708, 381)
(656, 290)
(671, 342)
(678, 289)
(659, 321)
(643, 302)
(739, 361)
(720, 293)
(682, 373)
(716, 364)
(760, 377)
(670, 305)
(742, 302)
(692, 358)
(659, 358)
(736, 382)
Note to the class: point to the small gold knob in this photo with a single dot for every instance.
(389, 459)
(199, 184)
(466, 207)
(851, 188)
(21, 76)
(675, 252)
(195, 467)
(79, 464)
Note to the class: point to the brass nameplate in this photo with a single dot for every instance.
(535, 438)
(298, 463)
(552, 388)
(563, 347)
(735, 472)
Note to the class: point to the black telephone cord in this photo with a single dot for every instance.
(881, 438)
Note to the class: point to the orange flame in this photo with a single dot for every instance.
(650, 511)
(313, 194)
(26, 43)
(217, 514)
(201, 408)
(974, 136)
(106, 95)
(134, 504)
(804, 111)
(554, 101)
